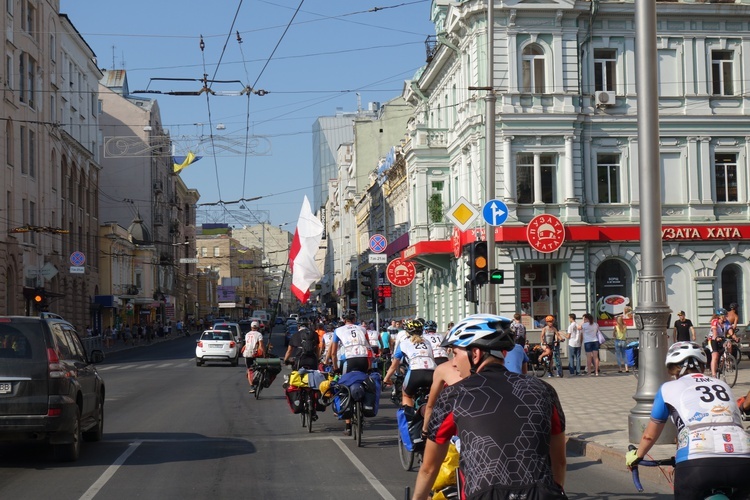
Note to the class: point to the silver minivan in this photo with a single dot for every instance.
(234, 328)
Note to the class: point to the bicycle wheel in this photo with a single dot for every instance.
(406, 456)
(310, 410)
(540, 369)
(303, 409)
(259, 379)
(357, 423)
(729, 370)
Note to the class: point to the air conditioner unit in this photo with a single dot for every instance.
(605, 98)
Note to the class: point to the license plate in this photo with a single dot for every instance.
(745, 345)
(216, 346)
(5, 387)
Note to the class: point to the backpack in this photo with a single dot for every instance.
(309, 342)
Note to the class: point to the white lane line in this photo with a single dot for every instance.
(146, 366)
(165, 365)
(107, 475)
(105, 368)
(384, 493)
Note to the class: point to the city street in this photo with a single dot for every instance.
(174, 430)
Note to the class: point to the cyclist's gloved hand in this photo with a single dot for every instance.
(632, 459)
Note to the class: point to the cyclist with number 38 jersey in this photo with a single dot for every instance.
(713, 450)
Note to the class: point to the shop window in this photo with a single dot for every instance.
(726, 176)
(614, 292)
(731, 286)
(538, 293)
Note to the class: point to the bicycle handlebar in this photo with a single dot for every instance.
(646, 463)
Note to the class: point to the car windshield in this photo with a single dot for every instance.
(216, 336)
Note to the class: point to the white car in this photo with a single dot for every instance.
(217, 345)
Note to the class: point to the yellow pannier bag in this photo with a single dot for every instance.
(447, 475)
(297, 380)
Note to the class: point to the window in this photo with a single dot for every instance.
(527, 183)
(9, 149)
(9, 71)
(29, 21)
(538, 292)
(22, 147)
(607, 177)
(32, 221)
(204, 252)
(9, 7)
(52, 47)
(26, 78)
(532, 69)
(605, 61)
(32, 153)
(732, 289)
(437, 186)
(216, 252)
(22, 77)
(721, 72)
(726, 176)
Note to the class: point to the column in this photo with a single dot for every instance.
(538, 179)
(509, 177)
(568, 170)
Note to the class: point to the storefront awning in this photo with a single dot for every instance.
(436, 253)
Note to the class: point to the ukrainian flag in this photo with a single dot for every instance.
(181, 162)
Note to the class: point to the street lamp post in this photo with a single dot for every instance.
(652, 313)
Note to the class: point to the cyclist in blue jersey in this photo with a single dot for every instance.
(713, 449)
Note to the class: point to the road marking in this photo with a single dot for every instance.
(146, 366)
(365, 472)
(111, 470)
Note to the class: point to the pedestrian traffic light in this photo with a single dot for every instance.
(478, 263)
(470, 291)
(497, 276)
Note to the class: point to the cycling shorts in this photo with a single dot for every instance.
(354, 365)
(539, 491)
(440, 361)
(415, 379)
(716, 345)
(694, 479)
(249, 362)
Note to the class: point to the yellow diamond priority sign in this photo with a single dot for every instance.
(463, 214)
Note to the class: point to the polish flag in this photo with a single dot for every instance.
(307, 237)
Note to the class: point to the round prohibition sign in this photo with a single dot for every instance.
(378, 243)
(77, 258)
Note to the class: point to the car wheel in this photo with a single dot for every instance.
(69, 452)
(198, 362)
(235, 361)
(96, 432)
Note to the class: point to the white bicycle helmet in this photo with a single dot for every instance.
(486, 331)
(686, 354)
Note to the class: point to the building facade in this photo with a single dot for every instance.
(567, 149)
(50, 183)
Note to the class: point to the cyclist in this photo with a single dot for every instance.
(713, 450)
(355, 350)
(417, 352)
(304, 349)
(252, 349)
(327, 341)
(506, 451)
(550, 337)
(439, 352)
(716, 337)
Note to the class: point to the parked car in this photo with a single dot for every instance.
(279, 320)
(50, 389)
(744, 339)
(217, 345)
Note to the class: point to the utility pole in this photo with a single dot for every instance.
(490, 305)
(652, 314)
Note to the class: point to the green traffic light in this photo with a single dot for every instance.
(497, 276)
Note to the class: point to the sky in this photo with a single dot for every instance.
(310, 57)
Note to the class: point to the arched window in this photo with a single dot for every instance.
(614, 291)
(532, 69)
(731, 285)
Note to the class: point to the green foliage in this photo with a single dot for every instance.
(435, 208)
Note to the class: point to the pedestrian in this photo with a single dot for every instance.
(733, 317)
(127, 335)
(683, 329)
(574, 337)
(519, 331)
(621, 334)
(516, 360)
(590, 329)
(149, 333)
(108, 337)
(488, 410)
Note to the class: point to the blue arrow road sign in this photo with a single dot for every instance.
(495, 212)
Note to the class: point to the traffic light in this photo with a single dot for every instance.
(497, 276)
(478, 263)
(470, 291)
(39, 299)
(369, 286)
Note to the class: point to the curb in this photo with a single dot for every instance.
(615, 459)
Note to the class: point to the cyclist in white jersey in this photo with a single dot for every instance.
(439, 352)
(355, 346)
(327, 341)
(713, 450)
(417, 352)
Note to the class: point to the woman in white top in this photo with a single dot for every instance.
(590, 328)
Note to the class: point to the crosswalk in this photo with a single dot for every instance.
(144, 366)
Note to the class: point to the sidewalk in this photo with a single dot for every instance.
(597, 409)
(119, 345)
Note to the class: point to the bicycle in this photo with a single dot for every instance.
(727, 369)
(262, 377)
(407, 457)
(556, 358)
(714, 494)
(308, 413)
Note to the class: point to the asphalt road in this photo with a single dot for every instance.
(174, 430)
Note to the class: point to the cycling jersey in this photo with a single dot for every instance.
(401, 335)
(504, 421)
(327, 339)
(374, 338)
(707, 418)
(417, 355)
(353, 339)
(435, 339)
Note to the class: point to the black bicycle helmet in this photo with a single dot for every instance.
(413, 326)
(350, 315)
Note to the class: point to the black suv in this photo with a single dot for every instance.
(49, 388)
